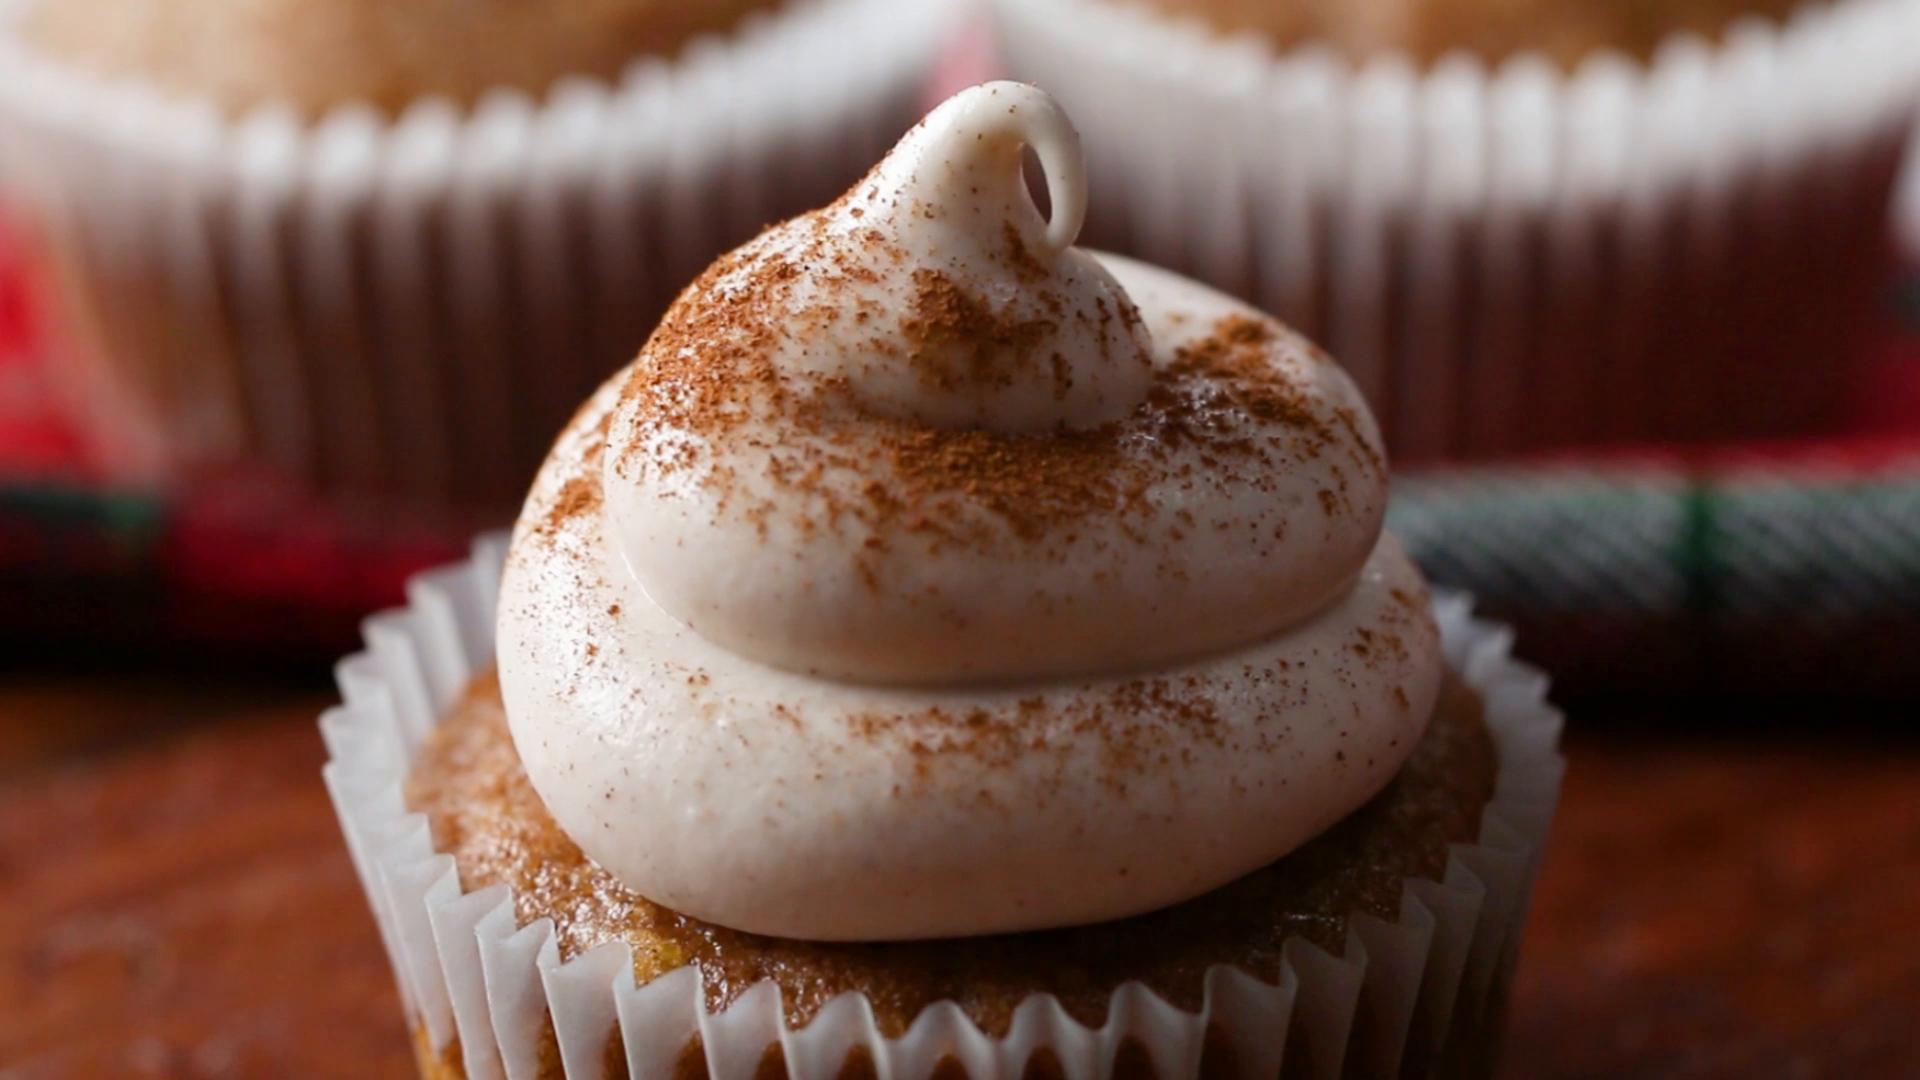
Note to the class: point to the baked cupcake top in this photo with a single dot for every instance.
(314, 54)
(927, 576)
(1565, 31)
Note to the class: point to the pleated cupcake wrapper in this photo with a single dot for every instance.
(414, 305)
(1427, 984)
(1510, 257)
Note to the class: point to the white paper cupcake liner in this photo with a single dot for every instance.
(413, 306)
(1511, 257)
(1428, 984)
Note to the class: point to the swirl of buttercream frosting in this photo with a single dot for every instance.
(916, 438)
(927, 576)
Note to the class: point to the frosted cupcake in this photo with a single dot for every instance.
(945, 647)
(1520, 225)
(384, 249)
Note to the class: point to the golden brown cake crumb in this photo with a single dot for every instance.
(1566, 31)
(469, 781)
(443, 1064)
(314, 54)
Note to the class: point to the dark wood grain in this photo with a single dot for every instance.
(174, 899)
(1741, 905)
(182, 906)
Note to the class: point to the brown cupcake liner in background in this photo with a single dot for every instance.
(1514, 258)
(407, 309)
(496, 997)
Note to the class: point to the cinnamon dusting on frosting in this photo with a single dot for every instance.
(706, 374)
(1141, 719)
(580, 495)
(1020, 259)
(948, 323)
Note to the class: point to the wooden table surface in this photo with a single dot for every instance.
(175, 900)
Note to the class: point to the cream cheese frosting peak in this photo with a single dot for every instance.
(913, 439)
(926, 575)
(939, 293)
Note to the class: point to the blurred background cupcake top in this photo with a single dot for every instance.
(1525, 225)
(314, 54)
(375, 251)
(1566, 31)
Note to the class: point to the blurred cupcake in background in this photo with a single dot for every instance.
(1522, 224)
(384, 249)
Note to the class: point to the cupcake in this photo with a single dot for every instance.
(948, 648)
(384, 249)
(1522, 224)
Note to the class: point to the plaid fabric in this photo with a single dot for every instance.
(1794, 569)
(242, 568)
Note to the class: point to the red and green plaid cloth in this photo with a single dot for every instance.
(1792, 568)
(1789, 568)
